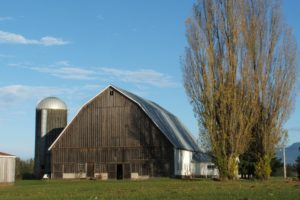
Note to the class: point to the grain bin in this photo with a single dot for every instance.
(51, 118)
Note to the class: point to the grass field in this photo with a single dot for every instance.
(151, 189)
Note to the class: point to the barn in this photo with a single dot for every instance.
(7, 168)
(119, 135)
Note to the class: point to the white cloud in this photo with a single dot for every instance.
(50, 41)
(13, 38)
(5, 18)
(61, 69)
(62, 63)
(16, 94)
(72, 73)
(92, 86)
(141, 76)
(7, 37)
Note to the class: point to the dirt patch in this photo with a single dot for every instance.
(3, 185)
(293, 182)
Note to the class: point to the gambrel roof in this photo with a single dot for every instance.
(169, 124)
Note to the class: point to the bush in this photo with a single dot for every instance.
(24, 169)
(263, 168)
(276, 167)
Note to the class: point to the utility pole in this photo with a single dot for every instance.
(284, 163)
(282, 144)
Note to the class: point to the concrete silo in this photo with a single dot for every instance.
(51, 119)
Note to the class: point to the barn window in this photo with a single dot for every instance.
(111, 93)
(179, 161)
(179, 165)
(210, 166)
(80, 167)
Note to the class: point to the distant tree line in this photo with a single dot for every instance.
(293, 170)
(298, 165)
(24, 168)
(240, 72)
(247, 168)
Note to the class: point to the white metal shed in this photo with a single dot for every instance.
(7, 168)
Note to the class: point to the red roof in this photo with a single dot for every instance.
(5, 154)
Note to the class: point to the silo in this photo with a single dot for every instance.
(51, 119)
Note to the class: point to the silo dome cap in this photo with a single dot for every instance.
(51, 103)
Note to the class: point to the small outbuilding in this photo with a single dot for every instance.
(203, 166)
(7, 168)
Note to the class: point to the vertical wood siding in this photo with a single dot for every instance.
(108, 131)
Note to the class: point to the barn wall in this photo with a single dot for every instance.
(204, 169)
(7, 169)
(110, 133)
(182, 162)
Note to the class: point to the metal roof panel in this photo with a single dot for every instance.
(168, 123)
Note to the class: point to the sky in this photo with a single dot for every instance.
(74, 49)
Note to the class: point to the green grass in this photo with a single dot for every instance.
(151, 189)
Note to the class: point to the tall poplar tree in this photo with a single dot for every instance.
(239, 72)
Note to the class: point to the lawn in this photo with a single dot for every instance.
(151, 189)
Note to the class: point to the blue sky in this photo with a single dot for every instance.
(74, 49)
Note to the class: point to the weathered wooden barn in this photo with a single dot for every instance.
(7, 168)
(119, 135)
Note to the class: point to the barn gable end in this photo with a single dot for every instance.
(112, 135)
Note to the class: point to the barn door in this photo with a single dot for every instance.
(126, 171)
(90, 170)
(119, 171)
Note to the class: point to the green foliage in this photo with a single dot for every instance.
(276, 167)
(232, 167)
(263, 168)
(247, 164)
(221, 163)
(24, 169)
(291, 170)
(171, 189)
